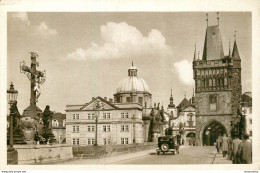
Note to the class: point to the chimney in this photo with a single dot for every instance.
(154, 105)
(110, 100)
(93, 98)
(105, 98)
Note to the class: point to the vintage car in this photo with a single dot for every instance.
(167, 144)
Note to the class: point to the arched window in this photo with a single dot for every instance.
(55, 123)
(225, 81)
(207, 82)
(190, 119)
(210, 82)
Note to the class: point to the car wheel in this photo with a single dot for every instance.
(174, 152)
(158, 152)
(164, 147)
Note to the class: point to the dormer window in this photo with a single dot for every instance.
(55, 123)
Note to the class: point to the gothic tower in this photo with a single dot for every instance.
(217, 86)
(171, 109)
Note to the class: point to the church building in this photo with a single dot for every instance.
(217, 86)
(125, 120)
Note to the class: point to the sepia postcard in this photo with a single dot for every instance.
(119, 85)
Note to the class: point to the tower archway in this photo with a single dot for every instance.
(211, 132)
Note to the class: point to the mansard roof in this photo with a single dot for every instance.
(213, 48)
(60, 117)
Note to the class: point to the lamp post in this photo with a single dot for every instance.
(12, 99)
(98, 105)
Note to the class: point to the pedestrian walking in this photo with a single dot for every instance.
(245, 150)
(235, 145)
(230, 153)
(218, 144)
(224, 145)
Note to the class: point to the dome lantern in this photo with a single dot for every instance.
(132, 71)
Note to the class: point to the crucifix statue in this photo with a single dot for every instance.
(37, 78)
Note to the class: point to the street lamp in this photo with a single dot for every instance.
(12, 99)
(98, 105)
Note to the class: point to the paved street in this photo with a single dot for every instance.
(188, 155)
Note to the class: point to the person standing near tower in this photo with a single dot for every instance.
(245, 150)
(224, 145)
(235, 145)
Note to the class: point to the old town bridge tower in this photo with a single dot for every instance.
(217, 86)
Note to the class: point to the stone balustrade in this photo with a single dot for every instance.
(31, 154)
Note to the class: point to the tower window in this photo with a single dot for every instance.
(128, 99)
(140, 100)
(213, 102)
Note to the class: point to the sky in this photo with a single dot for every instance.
(86, 54)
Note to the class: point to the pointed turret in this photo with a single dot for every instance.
(229, 50)
(235, 53)
(193, 97)
(194, 59)
(171, 105)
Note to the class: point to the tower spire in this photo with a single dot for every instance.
(171, 105)
(132, 63)
(184, 94)
(207, 19)
(199, 55)
(194, 53)
(229, 53)
(235, 53)
(218, 17)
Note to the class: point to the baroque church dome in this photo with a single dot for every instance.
(132, 83)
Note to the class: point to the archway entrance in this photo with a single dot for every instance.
(211, 133)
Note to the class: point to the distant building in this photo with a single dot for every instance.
(125, 120)
(218, 88)
(246, 104)
(59, 127)
(186, 117)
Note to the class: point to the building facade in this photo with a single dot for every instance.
(117, 124)
(134, 89)
(125, 120)
(59, 127)
(246, 104)
(217, 86)
(187, 120)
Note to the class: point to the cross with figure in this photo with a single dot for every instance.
(37, 78)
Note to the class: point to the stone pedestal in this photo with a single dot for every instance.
(12, 157)
(51, 137)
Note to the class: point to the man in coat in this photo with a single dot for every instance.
(235, 145)
(224, 145)
(245, 150)
(218, 144)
